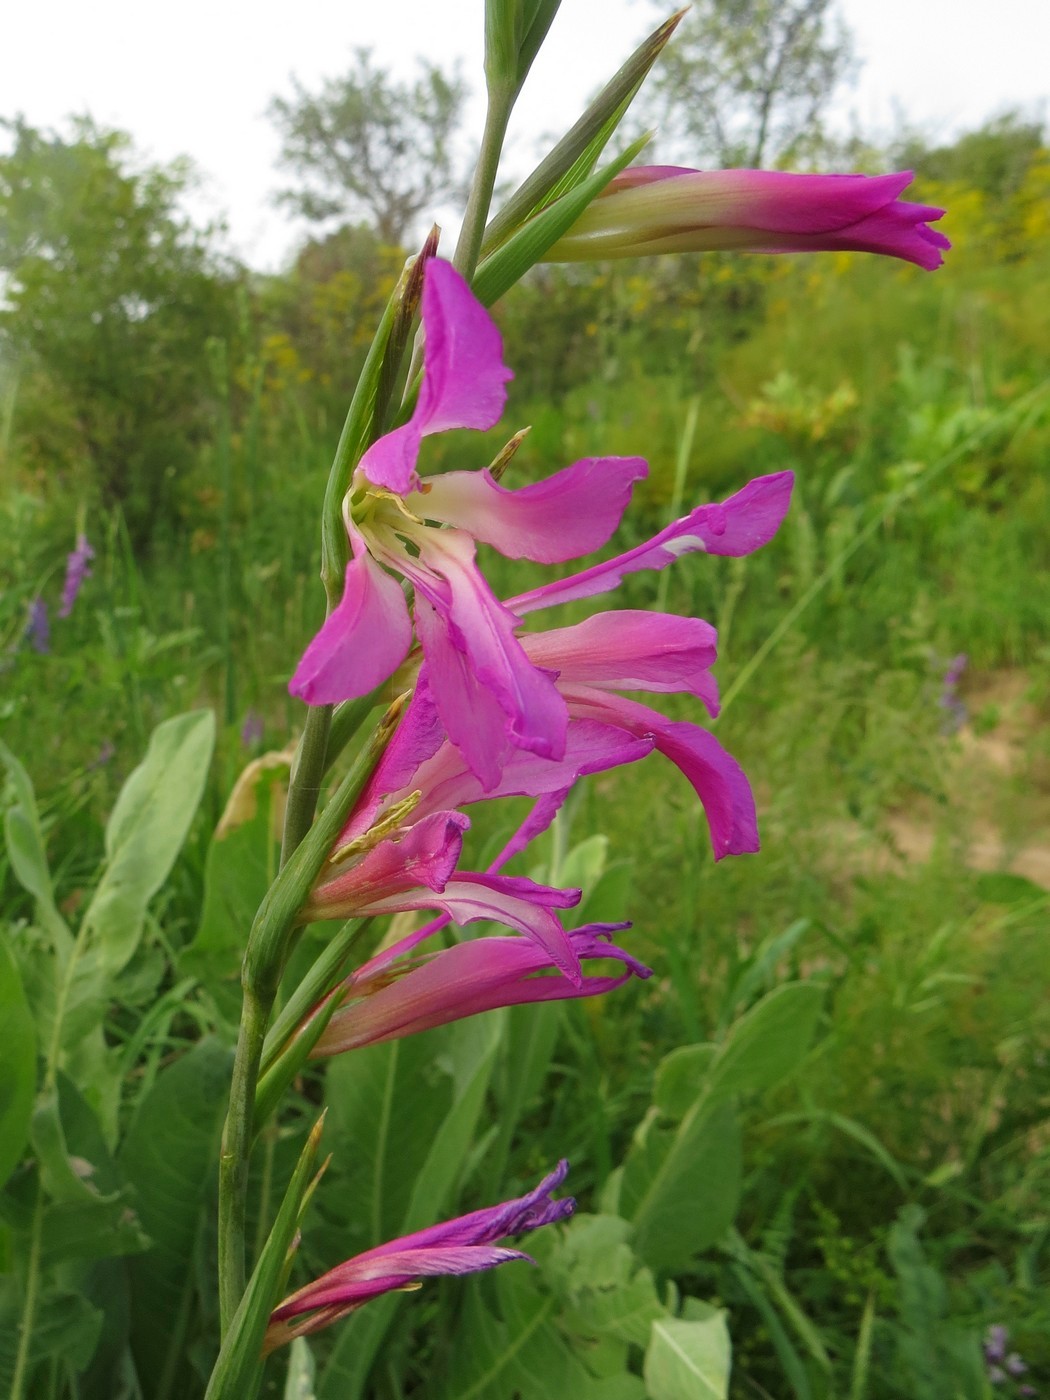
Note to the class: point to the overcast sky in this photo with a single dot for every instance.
(197, 81)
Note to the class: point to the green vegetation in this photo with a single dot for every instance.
(849, 1033)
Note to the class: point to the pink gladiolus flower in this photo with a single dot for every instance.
(465, 1245)
(395, 995)
(391, 518)
(671, 209)
(415, 868)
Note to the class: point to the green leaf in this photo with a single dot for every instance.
(66, 1330)
(681, 1188)
(146, 830)
(299, 1380)
(170, 1156)
(509, 263)
(239, 867)
(473, 1051)
(575, 155)
(607, 1292)
(681, 1077)
(520, 1351)
(688, 1360)
(17, 1065)
(27, 852)
(767, 1044)
(387, 1104)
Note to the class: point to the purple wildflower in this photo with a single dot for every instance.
(465, 1245)
(672, 209)
(77, 570)
(251, 729)
(38, 627)
(955, 711)
(995, 1343)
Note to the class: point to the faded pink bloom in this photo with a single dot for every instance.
(465, 1245)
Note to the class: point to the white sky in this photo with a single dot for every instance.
(196, 80)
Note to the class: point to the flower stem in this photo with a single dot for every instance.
(236, 1144)
(304, 787)
(475, 216)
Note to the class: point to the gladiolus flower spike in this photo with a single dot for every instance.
(670, 209)
(496, 701)
(462, 1246)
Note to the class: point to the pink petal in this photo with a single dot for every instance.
(490, 697)
(418, 858)
(631, 650)
(361, 642)
(463, 378)
(717, 778)
(570, 513)
(738, 526)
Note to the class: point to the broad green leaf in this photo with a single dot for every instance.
(27, 852)
(681, 1187)
(475, 1045)
(520, 1351)
(239, 867)
(767, 1044)
(65, 1332)
(607, 1291)
(688, 1360)
(387, 1104)
(681, 1077)
(170, 1156)
(146, 830)
(90, 1213)
(17, 1065)
(473, 1050)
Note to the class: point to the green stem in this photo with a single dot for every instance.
(233, 1160)
(501, 101)
(319, 980)
(304, 788)
(25, 1331)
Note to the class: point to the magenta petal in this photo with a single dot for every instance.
(631, 650)
(418, 859)
(570, 513)
(717, 778)
(362, 641)
(466, 980)
(490, 697)
(738, 526)
(463, 378)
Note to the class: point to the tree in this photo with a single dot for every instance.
(368, 146)
(107, 297)
(744, 82)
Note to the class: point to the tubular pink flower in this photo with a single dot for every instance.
(671, 209)
(415, 868)
(392, 518)
(461, 1246)
(396, 995)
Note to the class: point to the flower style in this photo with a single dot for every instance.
(465, 1245)
(395, 995)
(390, 517)
(672, 209)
